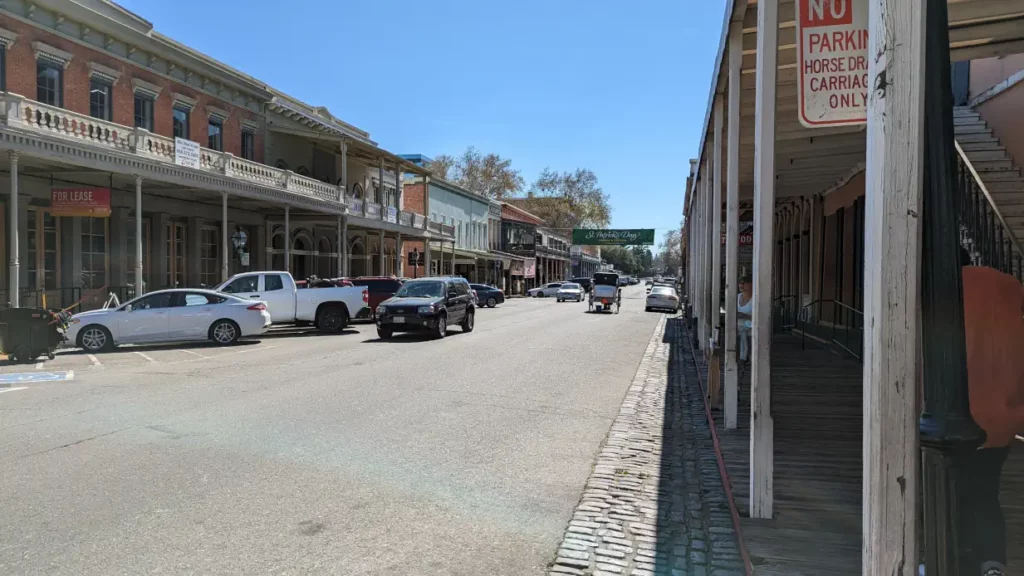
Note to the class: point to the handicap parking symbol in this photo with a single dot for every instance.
(9, 379)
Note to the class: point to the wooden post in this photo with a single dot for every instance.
(893, 182)
(817, 245)
(761, 425)
(716, 216)
(708, 245)
(732, 225)
(698, 220)
(805, 249)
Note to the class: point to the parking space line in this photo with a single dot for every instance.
(95, 361)
(39, 365)
(194, 353)
(232, 352)
(145, 357)
(2, 390)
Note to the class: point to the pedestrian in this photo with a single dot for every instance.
(744, 313)
(994, 333)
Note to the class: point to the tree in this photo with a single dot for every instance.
(670, 252)
(619, 257)
(487, 174)
(568, 200)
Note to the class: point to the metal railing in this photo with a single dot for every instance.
(785, 313)
(845, 329)
(983, 229)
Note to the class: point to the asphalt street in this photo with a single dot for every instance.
(300, 454)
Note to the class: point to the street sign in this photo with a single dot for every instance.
(598, 237)
(415, 258)
(832, 59)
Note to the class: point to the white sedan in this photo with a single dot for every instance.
(545, 290)
(663, 298)
(570, 291)
(170, 316)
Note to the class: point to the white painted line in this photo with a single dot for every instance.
(71, 375)
(95, 361)
(194, 353)
(2, 390)
(39, 365)
(145, 357)
(246, 351)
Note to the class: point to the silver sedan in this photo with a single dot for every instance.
(570, 292)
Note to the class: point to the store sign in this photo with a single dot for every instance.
(415, 258)
(596, 237)
(83, 201)
(530, 269)
(746, 239)
(186, 153)
(832, 59)
(517, 268)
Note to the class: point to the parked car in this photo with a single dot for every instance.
(427, 305)
(489, 296)
(570, 291)
(174, 315)
(330, 309)
(545, 290)
(586, 283)
(623, 281)
(663, 298)
(381, 288)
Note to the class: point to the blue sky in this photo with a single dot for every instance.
(616, 87)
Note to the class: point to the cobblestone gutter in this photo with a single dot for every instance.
(654, 504)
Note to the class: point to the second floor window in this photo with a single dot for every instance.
(99, 99)
(248, 145)
(143, 111)
(180, 119)
(215, 134)
(49, 83)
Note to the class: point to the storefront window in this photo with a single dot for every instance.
(94, 253)
(43, 250)
(176, 250)
(209, 273)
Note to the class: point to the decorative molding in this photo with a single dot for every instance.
(59, 23)
(7, 37)
(85, 32)
(998, 89)
(108, 43)
(147, 88)
(183, 101)
(46, 52)
(103, 72)
(218, 113)
(252, 125)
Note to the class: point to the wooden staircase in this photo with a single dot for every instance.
(997, 169)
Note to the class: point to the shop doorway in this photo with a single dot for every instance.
(44, 254)
(177, 254)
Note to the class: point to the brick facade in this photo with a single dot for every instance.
(21, 79)
(412, 198)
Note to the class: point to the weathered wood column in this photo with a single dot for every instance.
(893, 181)
(14, 271)
(732, 225)
(716, 214)
(761, 425)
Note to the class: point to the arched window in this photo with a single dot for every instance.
(357, 190)
(277, 251)
(326, 260)
(357, 256)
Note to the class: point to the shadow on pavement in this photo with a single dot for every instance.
(158, 347)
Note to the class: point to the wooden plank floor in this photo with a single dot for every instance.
(817, 409)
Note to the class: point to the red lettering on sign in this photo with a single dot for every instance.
(825, 13)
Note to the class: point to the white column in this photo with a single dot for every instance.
(708, 244)
(761, 425)
(426, 200)
(344, 166)
(138, 236)
(380, 237)
(380, 189)
(399, 268)
(224, 240)
(426, 257)
(702, 264)
(340, 245)
(14, 284)
(893, 187)
(732, 224)
(346, 258)
(287, 239)
(399, 187)
(716, 215)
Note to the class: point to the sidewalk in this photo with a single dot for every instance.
(654, 504)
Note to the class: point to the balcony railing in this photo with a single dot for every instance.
(983, 228)
(447, 230)
(405, 218)
(391, 214)
(434, 226)
(419, 221)
(23, 113)
(373, 210)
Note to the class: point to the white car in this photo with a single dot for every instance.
(170, 316)
(570, 291)
(663, 298)
(545, 290)
(330, 309)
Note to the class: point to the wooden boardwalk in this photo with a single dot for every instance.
(817, 410)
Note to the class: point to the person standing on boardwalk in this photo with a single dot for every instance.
(744, 313)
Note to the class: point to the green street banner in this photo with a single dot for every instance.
(596, 237)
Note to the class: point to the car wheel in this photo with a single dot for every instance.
(95, 338)
(384, 333)
(224, 332)
(467, 322)
(332, 319)
(442, 326)
(491, 302)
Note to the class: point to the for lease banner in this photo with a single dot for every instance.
(92, 202)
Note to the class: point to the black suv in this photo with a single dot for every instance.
(427, 305)
(586, 283)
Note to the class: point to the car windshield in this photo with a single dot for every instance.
(429, 289)
(570, 286)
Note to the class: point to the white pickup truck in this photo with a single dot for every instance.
(330, 309)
